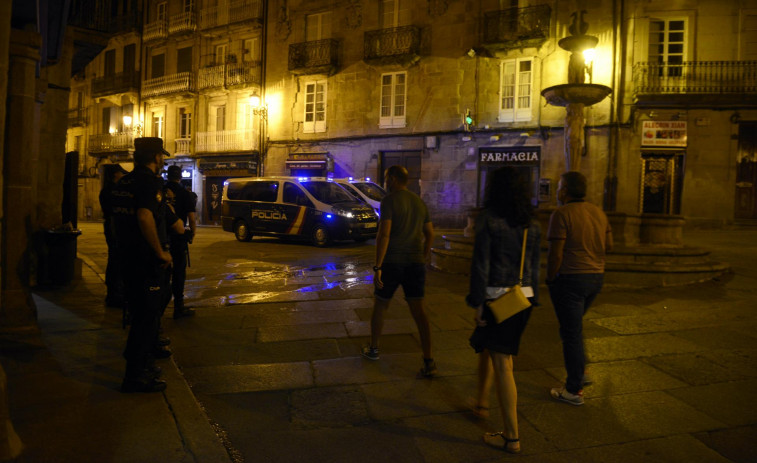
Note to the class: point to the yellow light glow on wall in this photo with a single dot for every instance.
(589, 55)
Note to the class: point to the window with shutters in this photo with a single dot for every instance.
(516, 90)
(184, 59)
(393, 100)
(110, 63)
(129, 58)
(318, 26)
(157, 125)
(221, 52)
(250, 50)
(315, 107)
(158, 66)
(185, 123)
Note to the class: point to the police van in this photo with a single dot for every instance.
(314, 208)
(365, 190)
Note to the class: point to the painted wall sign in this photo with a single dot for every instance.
(663, 133)
(521, 155)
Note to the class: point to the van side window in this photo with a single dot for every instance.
(234, 190)
(294, 195)
(260, 191)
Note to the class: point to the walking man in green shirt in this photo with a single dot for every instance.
(403, 244)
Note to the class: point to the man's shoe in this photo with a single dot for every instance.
(429, 368)
(562, 394)
(142, 385)
(154, 371)
(371, 353)
(163, 341)
(185, 312)
(161, 353)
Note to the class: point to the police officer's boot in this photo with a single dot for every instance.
(179, 311)
(138, 379)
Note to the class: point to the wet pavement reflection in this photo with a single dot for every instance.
(252, 282)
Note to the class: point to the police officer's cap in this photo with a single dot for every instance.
(152, 145)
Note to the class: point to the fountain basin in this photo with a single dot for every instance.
(587, 94)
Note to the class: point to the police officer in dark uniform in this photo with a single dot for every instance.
(184, 207)
(113, 282)
(140, 222)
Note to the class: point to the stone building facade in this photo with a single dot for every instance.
(349, 87)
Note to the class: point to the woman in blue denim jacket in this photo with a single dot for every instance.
(495, 268)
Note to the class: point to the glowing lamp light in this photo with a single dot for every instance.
(329, 216)
(112, 130)
(186, 174)
(367, 179)
(127, 121)
(589, 55)
(255, 101)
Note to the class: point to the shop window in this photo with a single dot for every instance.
(315, 107)
(393, 100)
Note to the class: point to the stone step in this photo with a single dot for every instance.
(627, 266)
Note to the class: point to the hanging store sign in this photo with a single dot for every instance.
(663, 133)
(521, 155)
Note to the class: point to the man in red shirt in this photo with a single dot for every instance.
(579, 237)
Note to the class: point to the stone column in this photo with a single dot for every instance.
(22, 136)
(574, 135)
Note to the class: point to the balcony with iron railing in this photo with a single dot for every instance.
(230, 13)
(111, 142)
(516, 27)
(221, 141)
(77, 117)
(696, 82)
(183, 147)
(391, 44)
(174, 83)
(314, 57)
(182, 22)
(230, 74)
(155, 30)
(119, 83)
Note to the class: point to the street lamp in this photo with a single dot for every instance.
(260, 109)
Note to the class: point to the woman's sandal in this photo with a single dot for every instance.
(499, 441)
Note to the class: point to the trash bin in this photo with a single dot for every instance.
(61, 255)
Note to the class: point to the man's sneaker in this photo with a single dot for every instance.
(371, 353)
(429, 368)
(562, 394)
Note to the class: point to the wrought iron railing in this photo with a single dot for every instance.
(109, 142)
(226, 140)
(516, 24)
(155, 30)
(174, 83)
(183, 147)
(118, 83)
(395, 41)
(229, 74)
(314, 54)
(230, 13)
(695, 77)
(77, 117)
(182, 22)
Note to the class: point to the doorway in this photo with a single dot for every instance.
(410, 160)
(662, 182)
(746, 172)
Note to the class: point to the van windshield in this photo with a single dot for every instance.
(328, 192)
(371, 190)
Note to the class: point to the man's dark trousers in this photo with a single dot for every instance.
(179, 275)
(572, 295)
(145, 289)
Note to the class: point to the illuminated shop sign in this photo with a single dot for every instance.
(521, 155)
(663, 133)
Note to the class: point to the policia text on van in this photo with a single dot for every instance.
(314, 208)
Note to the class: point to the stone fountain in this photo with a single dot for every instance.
(576, 94)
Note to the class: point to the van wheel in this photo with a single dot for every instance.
(241, 231)
(321, 236)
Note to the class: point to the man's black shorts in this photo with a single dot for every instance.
(412, 277)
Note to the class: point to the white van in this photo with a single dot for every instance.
(365, 189)
(313, 208)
